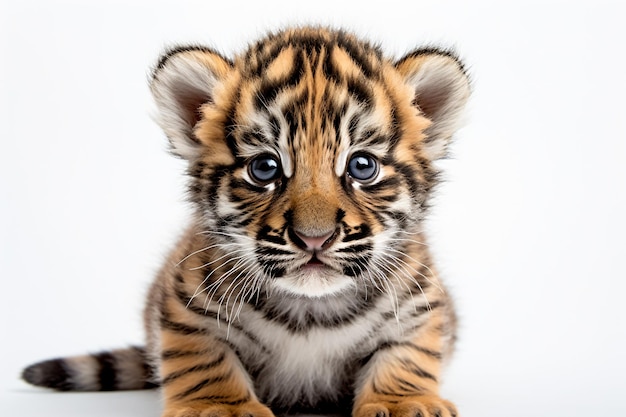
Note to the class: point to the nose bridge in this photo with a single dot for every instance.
(314, 206)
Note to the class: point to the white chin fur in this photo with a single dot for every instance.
(313, 283)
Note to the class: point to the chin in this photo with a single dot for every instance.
(314, 282)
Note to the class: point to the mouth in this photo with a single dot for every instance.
(314, 262)
(315, 278)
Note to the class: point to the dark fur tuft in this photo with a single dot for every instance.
(49, 374)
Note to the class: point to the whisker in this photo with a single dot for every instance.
(217, 259)
(399, 239)
(402, 270)
(400, 264)
(390, 289)
(195, 253)
(199, 291)
(223, 295)
(245, 294)
(432, 273)
(220, 233)
(214, 287)
(237, 280)
(383, 266)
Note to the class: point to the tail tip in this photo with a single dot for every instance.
(48, 374)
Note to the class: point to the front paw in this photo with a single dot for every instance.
(414, 406)
(248, 409)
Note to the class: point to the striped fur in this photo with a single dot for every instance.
(304, 282)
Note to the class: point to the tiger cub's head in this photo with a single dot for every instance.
(310, 154)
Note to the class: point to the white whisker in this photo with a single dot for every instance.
(215, 260)
(405, 273)
(199, 291)
(399, 239)
(196, 252)
(220, 233)
(433, 275)
(383, 279)
(401, 265)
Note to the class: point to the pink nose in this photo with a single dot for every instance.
(315, 242)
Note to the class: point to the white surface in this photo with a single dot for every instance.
(529, 229)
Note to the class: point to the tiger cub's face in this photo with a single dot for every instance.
(310, 154)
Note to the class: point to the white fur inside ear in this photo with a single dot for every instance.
(441, 92)
(180, 87)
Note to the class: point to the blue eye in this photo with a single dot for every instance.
(363, 167)
(264, 169)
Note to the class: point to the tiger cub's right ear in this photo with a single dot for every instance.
(185, 79)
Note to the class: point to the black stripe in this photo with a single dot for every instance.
(262, 57)
(386, 184)
(213, 315)
(386, 391)
(179, 327)
(426, 308)
(330, 71)
(433, 50)
(149, 373)
(269, 234)
(416, 370)
(235, 183)
(197, 368)
(274, 126)
(410, 175)
(408, 386)
(353, 123)
(356, 267)
(340, 215)
(175, 354)
(357, 87)
(187, 48)
(338, 114)
(359, 53)
(356, 248)
(196, 169)
(271, 251)
(392, 344)
(362, 231)
(252, 138)
(107, 373)
(230, 122)
(361, 91)
(221, 399)
(431, 353)
(202, 384)
(270, 89)
(273, 270)
(267, 93)
(428, 352)
(184, 299)
(303, 321)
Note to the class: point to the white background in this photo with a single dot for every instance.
(529, 228)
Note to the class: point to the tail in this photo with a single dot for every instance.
(121, 369)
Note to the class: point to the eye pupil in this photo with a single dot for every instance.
(264, 169)
(362, 167)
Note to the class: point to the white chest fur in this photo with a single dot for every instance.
(318, 362)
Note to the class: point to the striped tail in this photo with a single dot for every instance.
(120, 369)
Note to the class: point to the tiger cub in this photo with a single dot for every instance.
(304, 281)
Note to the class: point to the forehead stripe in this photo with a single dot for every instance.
(270, 87)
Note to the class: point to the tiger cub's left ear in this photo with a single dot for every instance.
(441, 88)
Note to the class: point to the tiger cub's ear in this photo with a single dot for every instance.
(441, 90)
(184, 79)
